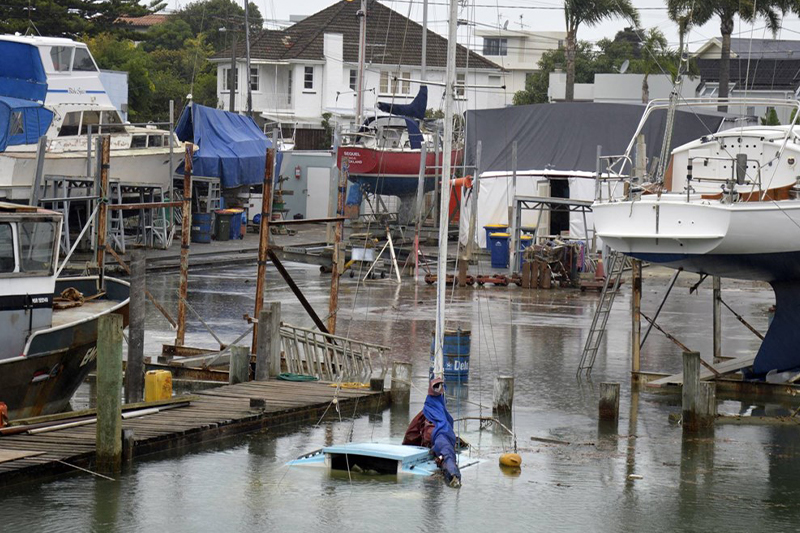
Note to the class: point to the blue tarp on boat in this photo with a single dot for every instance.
(230, 146)
(22, 121)
(21, 72)
(415, 109)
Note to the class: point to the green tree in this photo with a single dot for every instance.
(537, 83)
(771, 118)
(71, 18)
(208, 16)
(655, 56)
(170, 35)
(590, 13)
(698, 12)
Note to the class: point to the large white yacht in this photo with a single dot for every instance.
(51, 86)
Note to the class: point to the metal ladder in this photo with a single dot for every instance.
(616, 266)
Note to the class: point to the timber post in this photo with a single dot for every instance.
(268, 349)
(698, 399)
(108, 435)
(636, 314)
(134, 371)
(102, 214)
(609, 401)
(717, 318)
(186, 230)
(401, 382)
(263, 231)
(503, 394)
(239, 369)
(338, 251)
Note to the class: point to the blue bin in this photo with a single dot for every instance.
(455, 354)
(236, 223)
(524, 242)
(498, 243)
(201, 227)
(494, 228)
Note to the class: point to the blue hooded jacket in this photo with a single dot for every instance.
(435, 411)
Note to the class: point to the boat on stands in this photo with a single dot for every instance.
(48, 324)
(52, 87)
(728, 205)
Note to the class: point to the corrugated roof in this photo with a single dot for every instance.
(145, 21)
(765, 48)
(392, 39)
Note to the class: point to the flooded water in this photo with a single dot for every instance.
(740, 478)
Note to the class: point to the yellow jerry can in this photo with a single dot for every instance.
(157, 385)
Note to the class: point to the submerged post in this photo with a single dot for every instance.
(268, 350)
(503, 397)
(636, 314)
(102, 214)
(717, 318)
(401, 382)
(338, 251)
(186, 229)
(691, 384)
(239, 369)
(134, 371)
(263, 232)
(108, 436)
(609, 401)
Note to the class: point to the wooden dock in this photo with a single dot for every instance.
(213, 414)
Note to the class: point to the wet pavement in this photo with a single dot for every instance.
(640, 475)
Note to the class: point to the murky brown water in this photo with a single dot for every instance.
(735, 478)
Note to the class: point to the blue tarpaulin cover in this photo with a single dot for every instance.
(230, 146)
(415, 109)
(22, 121)
(21, 72)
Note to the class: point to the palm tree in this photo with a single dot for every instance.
(590, 13)
(655, 56)
(701, 11)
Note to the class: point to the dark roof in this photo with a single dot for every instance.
(765, 48)
(392, 39)
(777, 74)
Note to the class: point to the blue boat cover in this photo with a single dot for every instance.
(435, 411)
(415, 109)
(21, 72)
(231, 147)
(22, 121)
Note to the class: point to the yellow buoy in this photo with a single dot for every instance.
(511, 459)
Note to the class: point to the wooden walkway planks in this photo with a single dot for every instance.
(726, 367)
(217, 413)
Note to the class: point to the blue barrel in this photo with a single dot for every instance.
(455, 354)
(236, 223)
(524, 242)
(201, 227)
(498, 246)
(493, 228)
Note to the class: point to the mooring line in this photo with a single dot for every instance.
(85, 470)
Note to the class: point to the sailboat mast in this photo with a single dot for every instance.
(441, 264)
(247, 58)
(362, 45)
(424, 64)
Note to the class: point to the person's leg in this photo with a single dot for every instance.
(442, 448)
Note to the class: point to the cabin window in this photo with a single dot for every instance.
(36, 246)
(139, 141)
(155, 141)
(70, 125)
(61, 57)
(17, 126)
(90, 118)
(83, 61)
(111, 122)
(308, 79)
(495, 47)
(6, 249)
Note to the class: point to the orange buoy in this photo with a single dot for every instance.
(511, 459)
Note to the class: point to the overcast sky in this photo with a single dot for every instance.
(542, 15)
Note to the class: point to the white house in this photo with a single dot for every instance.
(518, 52)
(310, 68)
(614, 88)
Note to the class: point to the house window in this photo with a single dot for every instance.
(391, 86)
(495, 81)
(254, 79)
(289, 87)
(461, 81)
(353, 78)
(308, 79)
(495, 47)
(225, 75)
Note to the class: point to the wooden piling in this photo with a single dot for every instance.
(526, 275)
(609, 401)
(636, 314)
(239, 370)
(108, 437)
(102, 213)
(706, 404)
(263, 235)
(717, 318)
(546, 275)
(401, 382)
(186, 230)
(503, 397)
(128, 442)
(268, 350)
(338, 251)
(134, 371)
(462, 271)
(698, 399)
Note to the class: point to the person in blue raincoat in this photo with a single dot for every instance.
(433, 428)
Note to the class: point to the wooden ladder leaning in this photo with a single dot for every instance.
(613, 280)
